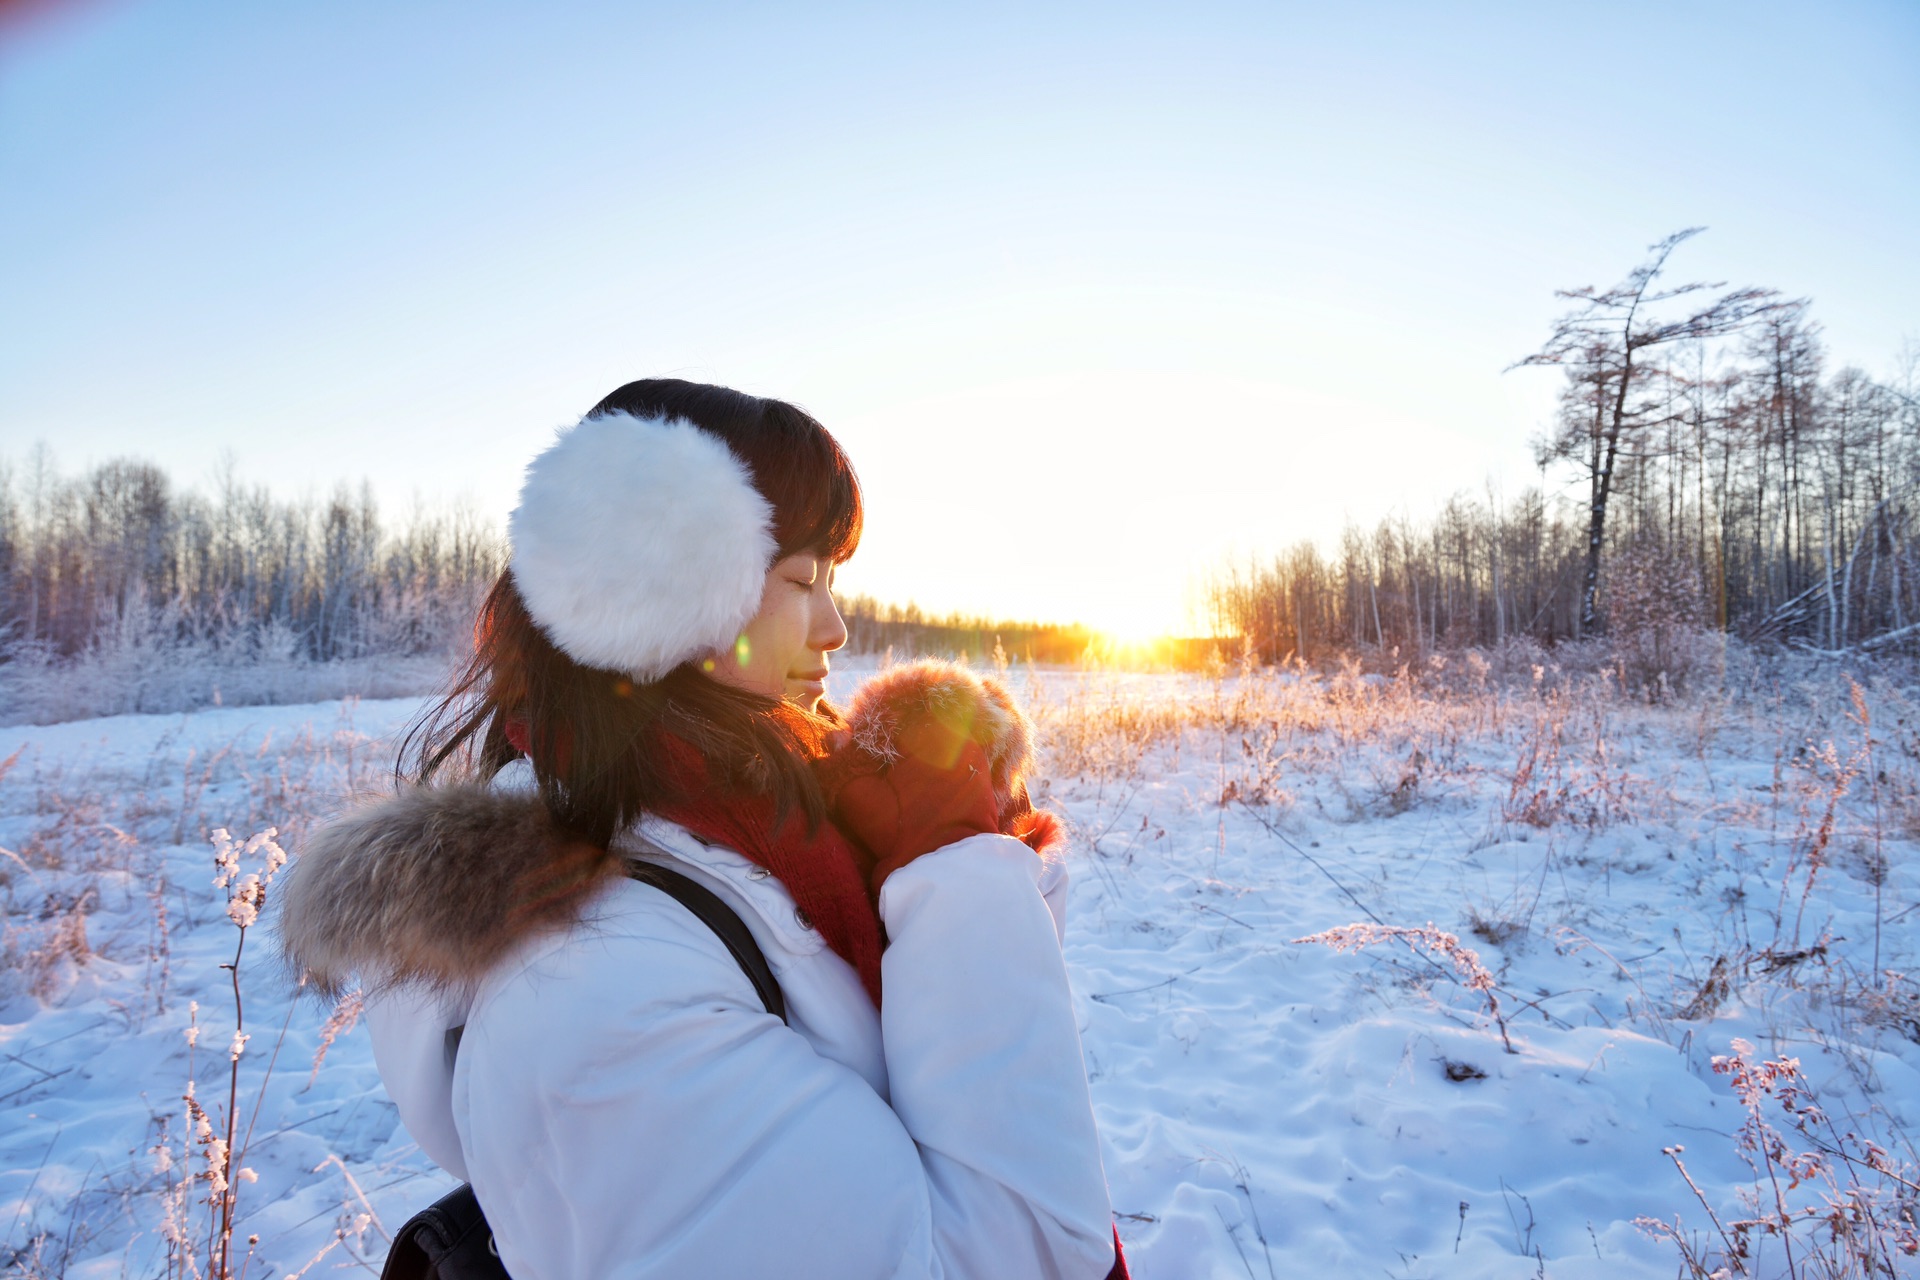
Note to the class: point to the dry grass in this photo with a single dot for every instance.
(100, 874)
(92, 838)
(1832, 1203)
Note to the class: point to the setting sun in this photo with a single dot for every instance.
(1139, 632)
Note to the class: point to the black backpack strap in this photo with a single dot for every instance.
(725, 923)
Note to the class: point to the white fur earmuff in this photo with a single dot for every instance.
(640, 543)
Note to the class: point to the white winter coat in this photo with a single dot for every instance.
(625, 1107)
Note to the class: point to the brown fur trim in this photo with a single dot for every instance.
(432, 887)
(978, 706)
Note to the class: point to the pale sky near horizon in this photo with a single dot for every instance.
(1094, 295)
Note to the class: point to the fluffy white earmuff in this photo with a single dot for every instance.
(640, 543)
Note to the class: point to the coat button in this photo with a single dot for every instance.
(801, 918)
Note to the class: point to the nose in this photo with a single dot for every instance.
(829, 629)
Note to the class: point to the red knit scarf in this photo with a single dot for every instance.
(821, 868)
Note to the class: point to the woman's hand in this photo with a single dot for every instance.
(932, 753)
(1041, 830)
(935, 791)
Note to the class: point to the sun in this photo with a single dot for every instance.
(1141, 630)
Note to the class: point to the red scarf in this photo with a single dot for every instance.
(822, 869)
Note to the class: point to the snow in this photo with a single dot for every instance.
(1269, 1107)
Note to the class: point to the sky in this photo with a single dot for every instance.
(1097, 296)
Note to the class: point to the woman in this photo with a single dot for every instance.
(586, 1052)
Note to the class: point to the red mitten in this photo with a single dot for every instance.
(932, 712)
(1042, 831)
(935, 790)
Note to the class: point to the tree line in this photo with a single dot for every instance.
(1718, 475)
(121, 555)
(874, 626)
(121, 549)
(1721, 476)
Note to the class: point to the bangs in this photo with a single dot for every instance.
(811, 484)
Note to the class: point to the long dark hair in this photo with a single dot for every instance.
(589, 730)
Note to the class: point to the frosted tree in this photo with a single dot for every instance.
(1611, 346)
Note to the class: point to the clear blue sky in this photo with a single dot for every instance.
(1094, 294)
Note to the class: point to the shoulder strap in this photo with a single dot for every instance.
(725, 923)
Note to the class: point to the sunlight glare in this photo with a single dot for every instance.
(1142, 632)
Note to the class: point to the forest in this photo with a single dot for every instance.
(1708, 470)
(1717, 474)
(121, 549)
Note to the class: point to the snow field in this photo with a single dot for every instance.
(1633, 878)
(1273, 1108)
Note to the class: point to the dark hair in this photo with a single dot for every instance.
(590, 730)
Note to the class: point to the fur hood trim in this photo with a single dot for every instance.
(977, 706)
(640, 543)
(432, 888)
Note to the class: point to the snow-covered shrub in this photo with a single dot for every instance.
(1833, 1203)
(1551, 783)
(1654, 619)
(1518, 662)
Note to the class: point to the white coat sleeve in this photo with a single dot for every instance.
(627, 1109)
(983, 1059)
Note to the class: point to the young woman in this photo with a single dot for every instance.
(587, 1053)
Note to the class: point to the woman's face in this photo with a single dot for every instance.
(783, 651)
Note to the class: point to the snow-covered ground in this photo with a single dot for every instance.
(1634, 880)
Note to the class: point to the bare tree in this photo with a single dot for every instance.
(1610, 345)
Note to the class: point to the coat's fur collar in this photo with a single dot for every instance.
(434, 886)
